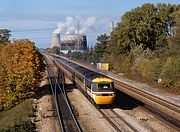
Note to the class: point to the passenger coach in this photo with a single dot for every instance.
(99, 87)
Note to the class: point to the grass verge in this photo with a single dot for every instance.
(17, 118)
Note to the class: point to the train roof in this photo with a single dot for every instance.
(88, 74)
(102, 79)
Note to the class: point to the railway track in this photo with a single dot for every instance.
(67, 120)
(166, 111)
(116, 126)
(113, 118)
(116, 121)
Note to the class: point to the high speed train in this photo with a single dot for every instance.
(99, 87)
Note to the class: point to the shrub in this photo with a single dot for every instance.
(154, 68)
(177, 86)
(22, 126)
(170, 71)
(149, 68)
(22, 67)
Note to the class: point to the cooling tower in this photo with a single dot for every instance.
(55, 40)
(73, 42)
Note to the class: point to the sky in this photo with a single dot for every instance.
(38, 19)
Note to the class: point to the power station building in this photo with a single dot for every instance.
(69, 42)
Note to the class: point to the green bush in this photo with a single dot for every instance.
(22, 126)
(55, 50)
(17, 119)
(149, 68)
(126, 64)
(170, 71)
(154, 68)
(141, 65)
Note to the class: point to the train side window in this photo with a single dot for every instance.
(79, 77)
(88, 84)
(93, 86)
(112, 85)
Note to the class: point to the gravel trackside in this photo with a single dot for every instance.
(89, 118)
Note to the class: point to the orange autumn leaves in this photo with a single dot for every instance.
(21, 69)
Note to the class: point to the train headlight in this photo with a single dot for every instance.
(113, 94)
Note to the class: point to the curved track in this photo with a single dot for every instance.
(168, 112)
(67, 120)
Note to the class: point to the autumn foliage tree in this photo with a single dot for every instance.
(21, 69)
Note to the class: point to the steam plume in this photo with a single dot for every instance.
(69, 26)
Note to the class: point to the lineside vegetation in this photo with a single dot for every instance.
(21, 69)
(146, 42)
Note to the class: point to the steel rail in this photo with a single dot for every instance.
(63, 93)
(169, 111)
(176, 107)
(100, 111)
(67, 102)
(150, 110)
(127, 123)
(55, 98)
(109, 120)
(104, 115)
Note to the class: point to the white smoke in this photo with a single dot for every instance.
(70, 26)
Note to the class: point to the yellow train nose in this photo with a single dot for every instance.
(104, 99)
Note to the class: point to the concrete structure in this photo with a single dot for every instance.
(69, 42)
(55, 40)
(73, 42)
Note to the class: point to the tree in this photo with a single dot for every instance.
(166, 13)
(4, 36)
(144, 26)
(22, 67)
(152, 28)
(55, 50)
(101, 45)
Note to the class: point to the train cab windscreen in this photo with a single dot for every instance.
(105, 86)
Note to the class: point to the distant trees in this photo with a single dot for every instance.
(21, 68)
(146, 41)
(101, 45)
(4, 36)
(93, 54)
(54, 50)
(144, 26)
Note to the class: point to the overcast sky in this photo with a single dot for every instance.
(37, 19)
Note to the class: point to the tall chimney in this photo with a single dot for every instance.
(111, 26)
